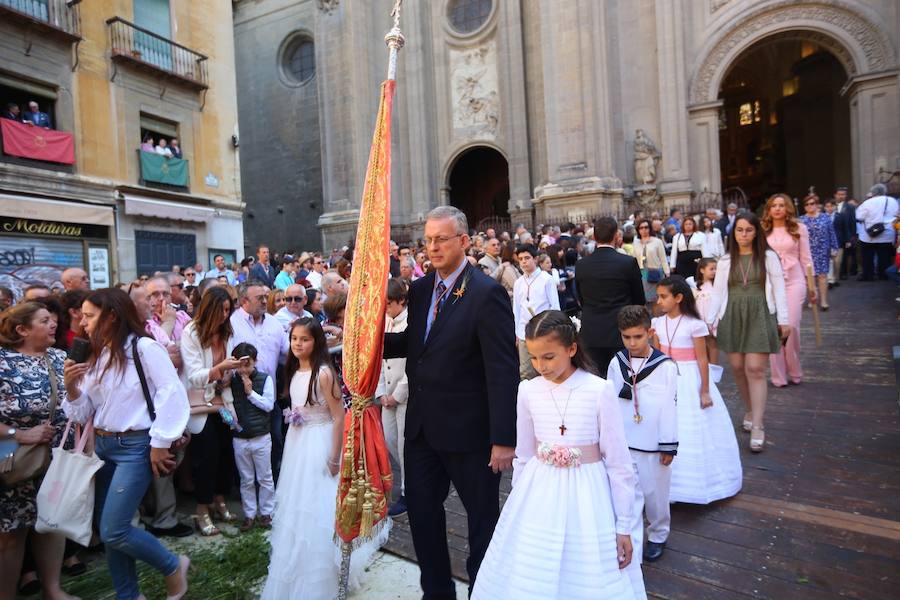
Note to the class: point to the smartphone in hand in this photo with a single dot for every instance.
(80, 350)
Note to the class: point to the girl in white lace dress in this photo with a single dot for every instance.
(305, 560)
(564, 530)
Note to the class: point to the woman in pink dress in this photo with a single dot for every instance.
(790, 239)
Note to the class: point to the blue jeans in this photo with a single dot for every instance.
(120, 486)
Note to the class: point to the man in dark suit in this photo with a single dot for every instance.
(726, 223)
(11, 112)
(262, 270)
(606, 281)
(463, 373)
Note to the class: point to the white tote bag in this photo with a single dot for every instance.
(65, 501)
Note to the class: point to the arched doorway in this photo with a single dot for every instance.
(479, 184)
(784, 124)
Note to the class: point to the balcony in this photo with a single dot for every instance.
(164, 173)
(147, 51)
(60, 19)
(33, 146)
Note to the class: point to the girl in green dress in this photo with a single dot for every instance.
(749, 298)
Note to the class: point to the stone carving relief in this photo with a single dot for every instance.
(715, 5)
(877, 49)
(476, 103)
(328, 6)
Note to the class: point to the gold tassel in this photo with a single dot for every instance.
(348, 510)
(347, 465)
(365, 524)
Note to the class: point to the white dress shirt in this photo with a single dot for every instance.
(286, 317)
(713, 245)
(267, 336)
(878, 209)
(315, 279)
(532, 295)
(680, 243)
(117, 400)
(658, 429)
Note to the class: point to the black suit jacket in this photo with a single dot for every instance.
(463, 381)
(722, 226)
(607, 281)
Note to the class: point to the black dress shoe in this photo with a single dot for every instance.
(398, 507)
(75, 570)
(830, 285)
(179, 530)
(653, 551)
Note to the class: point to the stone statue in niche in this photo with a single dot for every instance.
(645, 158)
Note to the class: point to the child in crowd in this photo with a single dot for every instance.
(303, 562)
(253, 393)
(565, 530)
(708, 466)
(646, 381)
(393, 387)
(533, 293)
(703, 293)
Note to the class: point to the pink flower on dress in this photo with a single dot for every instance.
(292, 416)
(559, 456)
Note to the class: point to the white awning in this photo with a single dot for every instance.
(29, 207)
(161, 209)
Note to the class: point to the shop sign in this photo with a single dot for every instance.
(38, 227)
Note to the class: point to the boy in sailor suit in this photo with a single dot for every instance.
(647, 382)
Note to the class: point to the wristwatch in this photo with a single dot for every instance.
(11, 433)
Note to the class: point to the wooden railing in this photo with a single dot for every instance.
(61, 15)
(145, 48)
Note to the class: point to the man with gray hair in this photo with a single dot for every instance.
(463, 372)
(333, 283)
(408, 268)
(726, 223)
(75, 279)
(876, 233)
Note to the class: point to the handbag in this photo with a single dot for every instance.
(65, 500)
(30, 461)
(877, 229)
(652, 275)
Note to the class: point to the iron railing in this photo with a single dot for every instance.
(145, 48)
(63, 15)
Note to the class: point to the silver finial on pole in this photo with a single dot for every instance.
(394, 40)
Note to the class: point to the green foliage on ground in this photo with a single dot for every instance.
(230, 568)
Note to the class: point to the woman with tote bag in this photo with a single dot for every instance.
(30, 420)
(133, 441)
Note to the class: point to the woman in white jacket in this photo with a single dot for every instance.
(749, 298)
(687, 249)
(713, 246)
(206, 346)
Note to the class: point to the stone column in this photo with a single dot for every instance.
(674, 183)
(703, 135)
(577, 116)
(874, 128)
(514, 129)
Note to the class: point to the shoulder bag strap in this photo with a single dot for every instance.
(142, 377)
(54, 386)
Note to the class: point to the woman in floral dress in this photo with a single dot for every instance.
(823, 243)
(27, 332)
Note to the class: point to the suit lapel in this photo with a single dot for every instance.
(449, 307)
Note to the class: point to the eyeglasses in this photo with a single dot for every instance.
(289, 299)
(643, 227)
(317, 262)
(189, 274)
(439, 241)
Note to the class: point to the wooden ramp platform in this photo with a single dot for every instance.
(819, 514)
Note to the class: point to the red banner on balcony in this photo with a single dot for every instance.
(30, 141)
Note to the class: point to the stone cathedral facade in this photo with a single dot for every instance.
(546, 110)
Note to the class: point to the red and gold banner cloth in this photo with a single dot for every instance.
(31, 141)
(365, 479)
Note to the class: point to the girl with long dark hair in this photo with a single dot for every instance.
(749, 300)
(302, 562)
(206, 351)
(708, 466)
(567, 417)
(133, 442)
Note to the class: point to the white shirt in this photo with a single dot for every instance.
(878, 209)
(268, 337)
(315, 279)
(393, 378)
(117, 400)
(266, 401)
(532, 295)
(656, 404)
(286, 317)
(712, 244)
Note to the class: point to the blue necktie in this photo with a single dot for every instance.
(441, 298)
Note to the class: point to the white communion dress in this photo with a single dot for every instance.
(556, 537)
(305, 561)
(708, 465)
